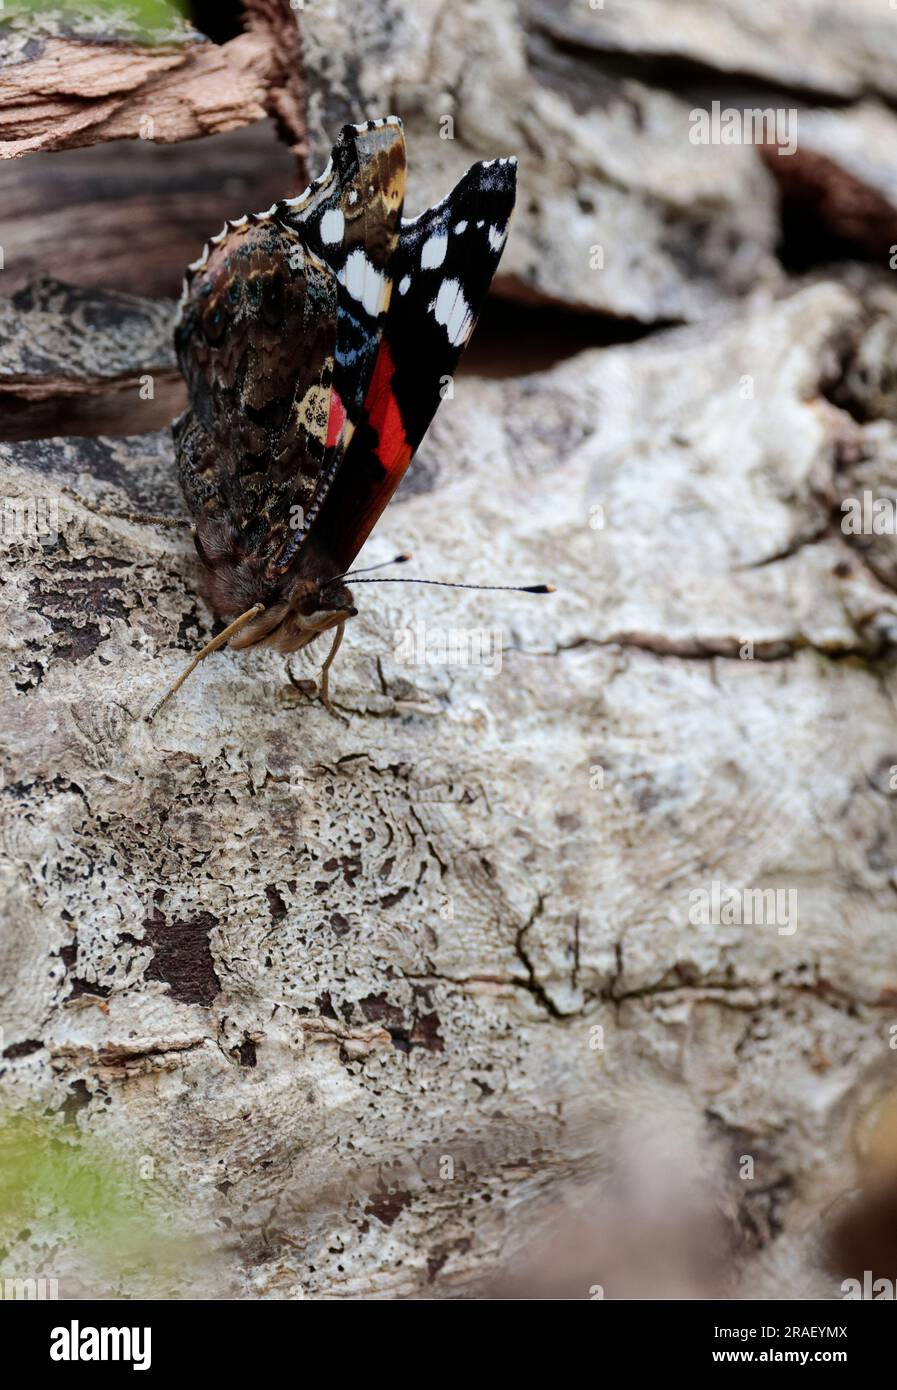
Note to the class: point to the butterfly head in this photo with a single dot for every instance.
(315, 606)
(308, 608)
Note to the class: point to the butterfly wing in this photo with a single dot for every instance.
(441, 271)
(280, 323)
(252, 445)
(354, 229)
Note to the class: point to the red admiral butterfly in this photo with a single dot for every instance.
(315, 339)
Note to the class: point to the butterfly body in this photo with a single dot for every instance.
(316, 339)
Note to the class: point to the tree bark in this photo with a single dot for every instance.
(64, 85)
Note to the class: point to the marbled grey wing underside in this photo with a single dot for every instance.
(251, 447)
(279, 328)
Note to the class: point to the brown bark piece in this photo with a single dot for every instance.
(85, 362)
(62, 89)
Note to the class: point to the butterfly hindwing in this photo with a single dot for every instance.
(441, 271)
(278, 334)
(253, 444)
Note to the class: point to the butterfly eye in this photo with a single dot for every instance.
(214, 323)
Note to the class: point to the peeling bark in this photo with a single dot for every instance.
(62, 85)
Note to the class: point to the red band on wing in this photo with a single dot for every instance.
(336, 419)
(373, 470)
(384, 416)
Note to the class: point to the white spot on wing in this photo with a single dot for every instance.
(404, 284)
(433, 251)
(364, 282)
(333, 225)
(460, 226)
(452, 310)
(497, 237)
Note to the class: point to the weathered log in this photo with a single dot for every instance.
(131, 215)
(820, 46)
(377, 996)
(425, 1004)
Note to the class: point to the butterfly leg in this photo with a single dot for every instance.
(230, 631)
(139, 518)
(324, 691)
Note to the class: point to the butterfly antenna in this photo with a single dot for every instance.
(366, 569)
(450, 584)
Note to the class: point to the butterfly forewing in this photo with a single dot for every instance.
(354, 229)
(441, 272)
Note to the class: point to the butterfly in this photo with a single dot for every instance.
(316, 340)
